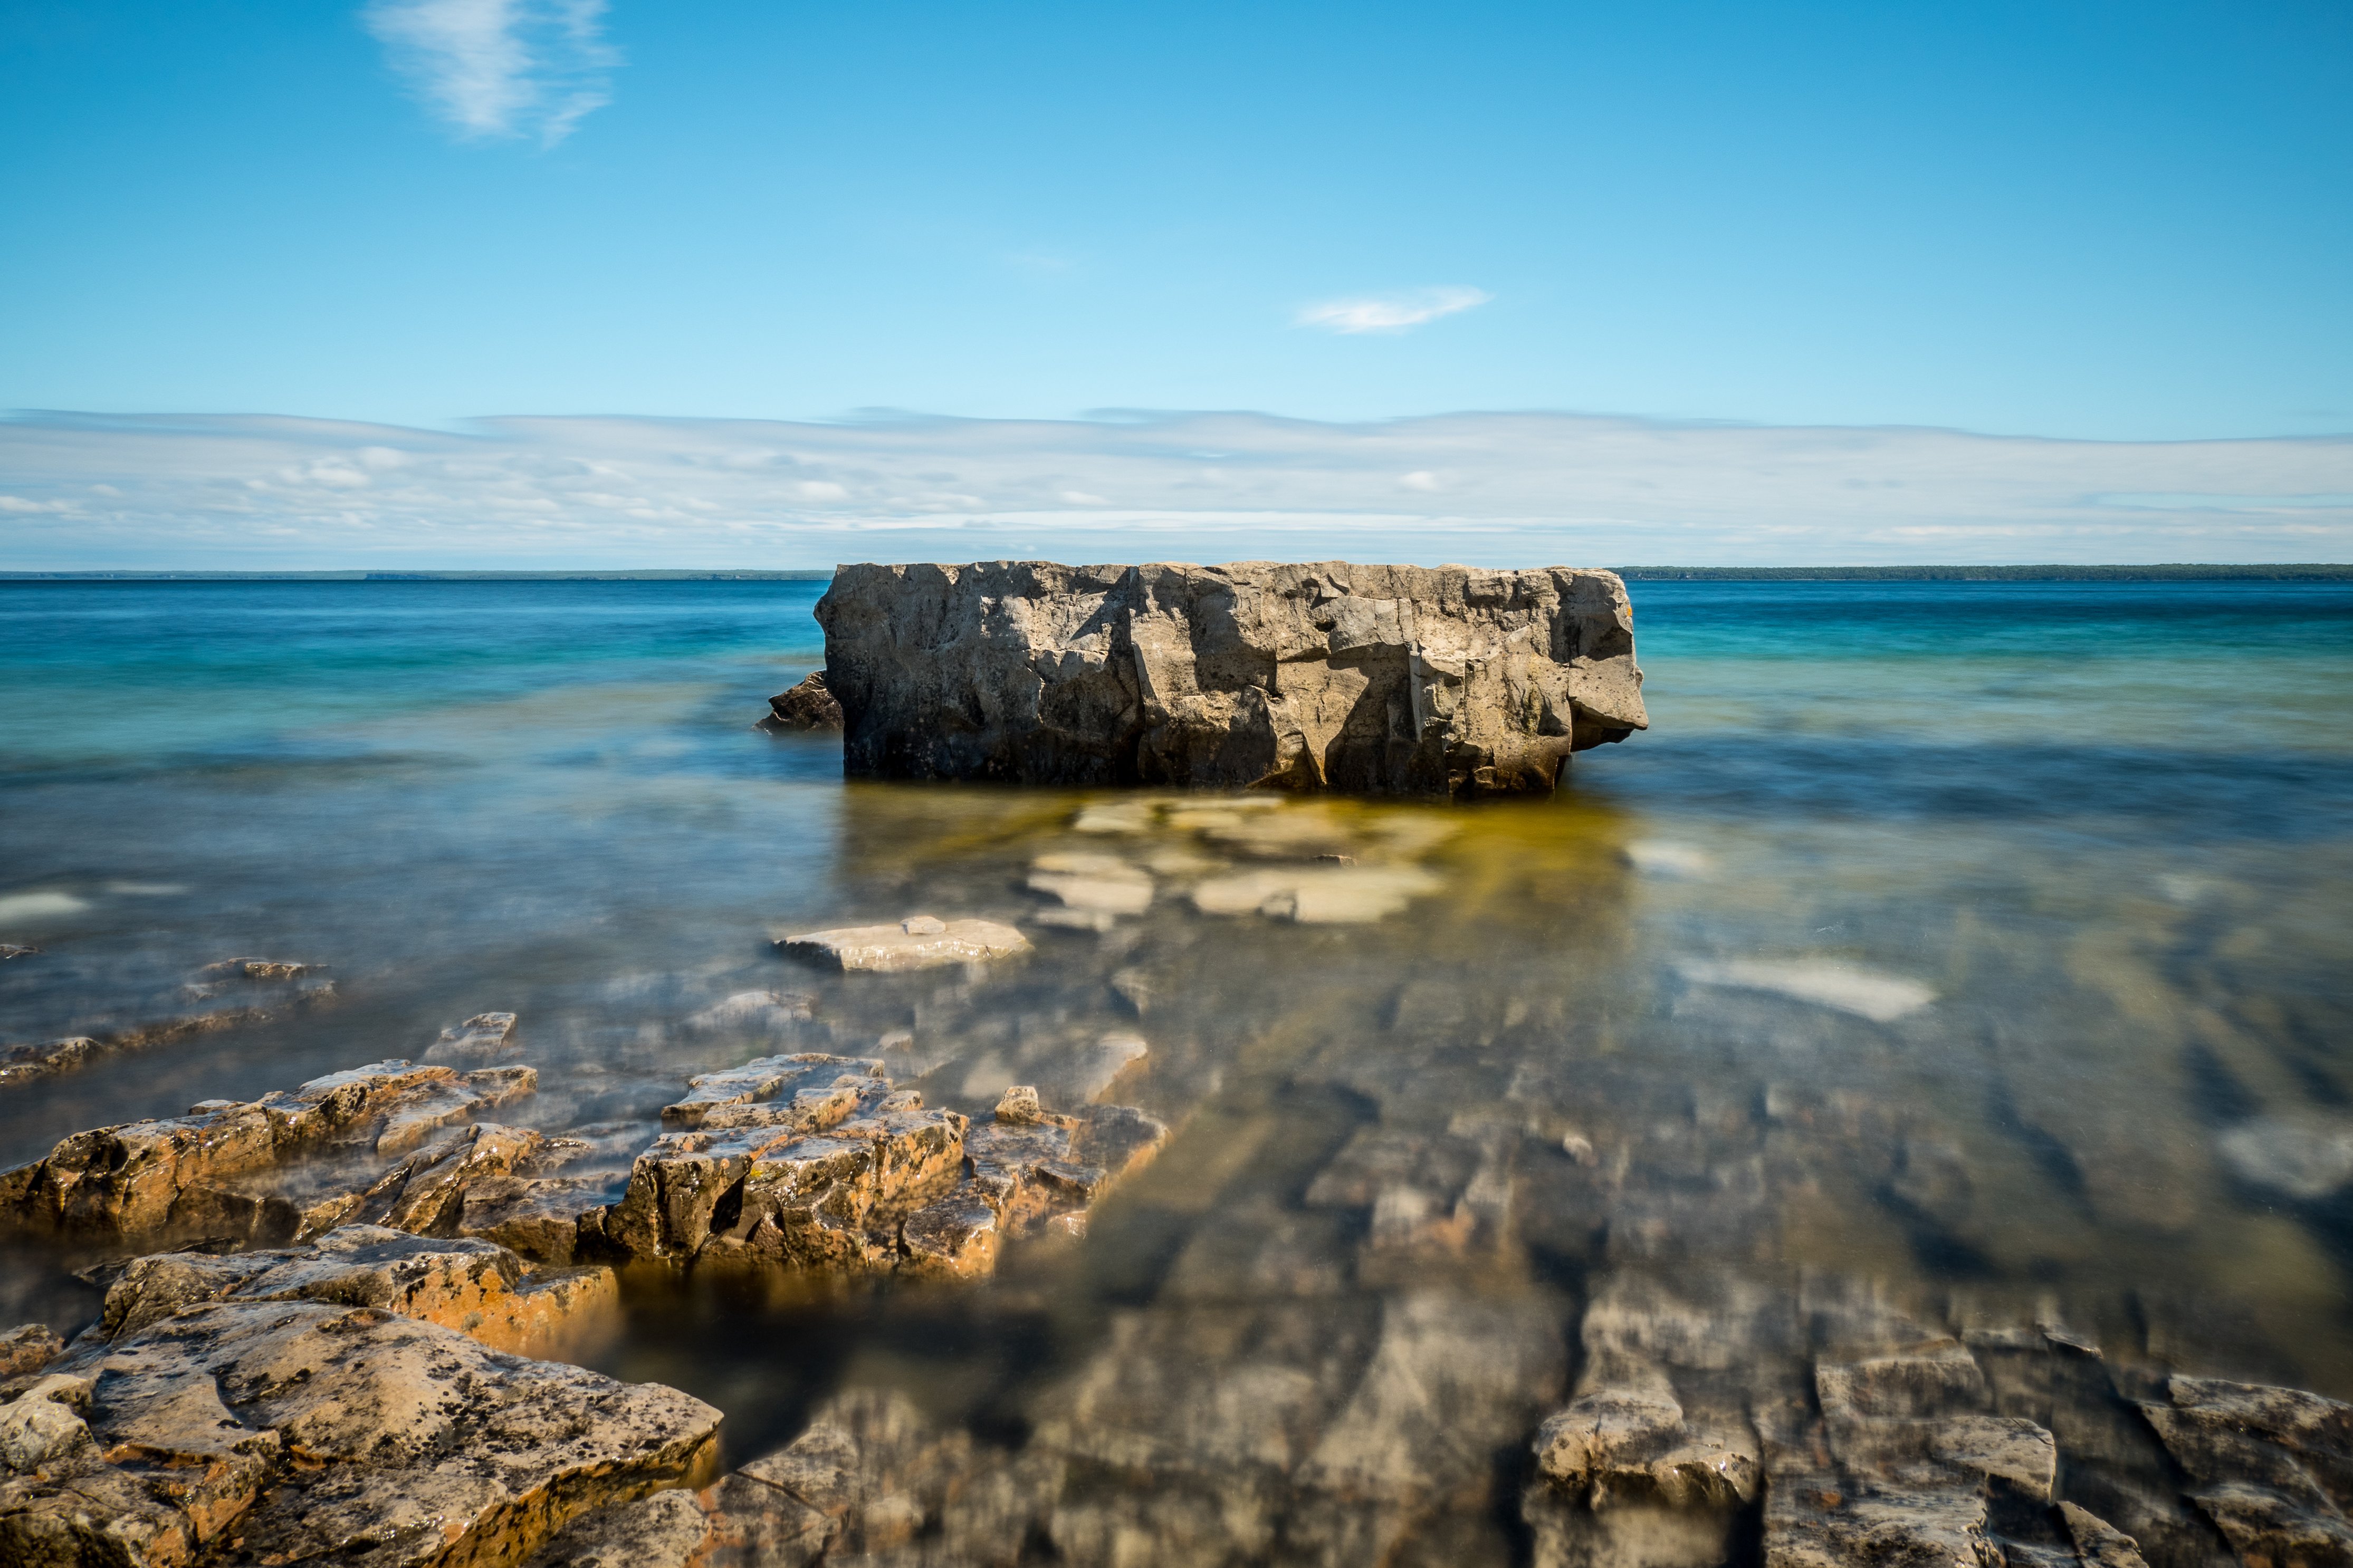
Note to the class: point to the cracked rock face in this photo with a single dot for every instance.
(1380, 679)
(298, 1431)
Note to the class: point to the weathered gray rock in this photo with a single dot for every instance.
(285, 1431)
(807, 706)
(1397, 680)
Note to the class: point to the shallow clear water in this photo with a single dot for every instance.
(1984, 944)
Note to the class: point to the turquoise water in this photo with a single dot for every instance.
(1984, 940)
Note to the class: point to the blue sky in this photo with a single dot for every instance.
(2101, 223)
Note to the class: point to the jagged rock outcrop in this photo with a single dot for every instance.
(194, 1174)
(1393, 679)
(807, 706)
(815, 1162)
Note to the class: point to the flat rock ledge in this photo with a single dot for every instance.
(919, 941)
(1376, 679)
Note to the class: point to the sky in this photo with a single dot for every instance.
(2018, 259)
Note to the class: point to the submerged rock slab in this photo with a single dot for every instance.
(1385, 680)
(919, 941)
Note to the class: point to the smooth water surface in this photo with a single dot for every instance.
(1982, 946)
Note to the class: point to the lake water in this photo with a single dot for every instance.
(1980, 950)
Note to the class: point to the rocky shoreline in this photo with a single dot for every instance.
(1489, 1300)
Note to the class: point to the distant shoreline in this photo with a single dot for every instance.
(2184, 572)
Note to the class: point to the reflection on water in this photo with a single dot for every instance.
(1950, 959)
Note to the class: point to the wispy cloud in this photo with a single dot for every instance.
(1393, 312)
(495, 69)
(1495, 489)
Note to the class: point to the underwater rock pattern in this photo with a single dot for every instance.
(1383, 679)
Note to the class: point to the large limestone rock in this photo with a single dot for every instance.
(1397, 680)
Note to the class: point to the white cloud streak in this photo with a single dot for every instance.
(499, 68)
(264, 493)
(1391, 313)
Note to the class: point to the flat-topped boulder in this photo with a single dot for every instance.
(1384, 679)
(919, 941)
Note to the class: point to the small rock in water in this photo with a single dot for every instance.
(1019, 1108)
(28, 1348)
(1134, 986)
(1105, 1062)
(805, 707)
(40, 906)
(2307, 1158)
(19, 1063)
(1656, 858)
(1066, 918)
(1092, 884)
(1316, 895)
(1865, 993)
(919, 941)
(260, 969)
(485, 1036)
(768, 1012)
(9, 949)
